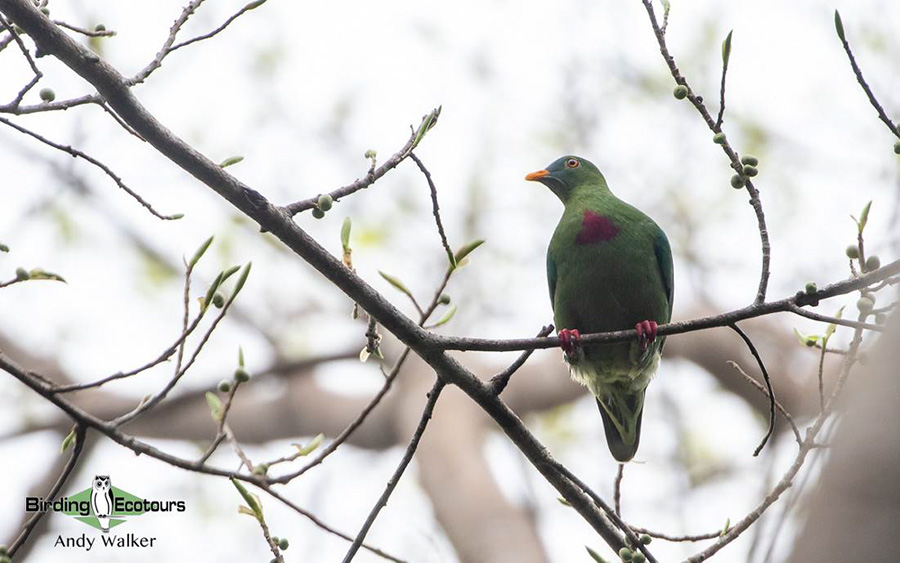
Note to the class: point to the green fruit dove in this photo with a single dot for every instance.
(609, 267)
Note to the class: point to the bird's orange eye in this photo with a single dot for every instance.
(572, 163)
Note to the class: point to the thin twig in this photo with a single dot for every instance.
(501, 380)
(769, 390)
(685, 538)
(435, 208)
(251, 6)
(721, 115)
(882, 115)
(83, 31)
(77, 153)
(54, 490)
(697, 102)
(617, 489)
(833, 320)
(778, 405)
(37, 73)
(433, 396)
(166, 48)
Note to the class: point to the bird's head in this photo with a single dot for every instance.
(567, 174)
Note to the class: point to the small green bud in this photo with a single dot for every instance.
(880, 318)
(444, 299)
(45, 10)
(810, 342)
(839, 25)
(719, 138)
(872, 263)
(3, 550)
(645, 539)
(897, 147)
(811, 287)
(261, 469)
(318, 213)
(47, 94)
(325, 202)
(99, 28)
(680, 92)
(283, 544)
(865, 305)
(275, 539)
(737, 181)
(22, 274)
(638, 557)
(749, 159)
(852, 252)
(371, 153)
(241, 375)
(626, 554)
(3, 247)
(224, 386)
(218, 301)
(750, 171)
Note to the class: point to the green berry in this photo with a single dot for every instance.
(645, 539)
(318, 213)
(872, 263)
(750, 171)
(444, 299)
(865, 305)
(749, 159)
(719, 138)
(3, 550)
(3, 247)
(810, 342)
(325, 202)
(626, 554)
(880, 318)
(261, 469)
(241, 375)
(283, 544)
(47, 94)
(45, 10)
(811, 287)
(638, 557)
(680, 92)
(275, 539)
(218, 301)
(897, 147)
(22, 274)
(99, 28)
(224, 386)
(737, 181)
(852, 252)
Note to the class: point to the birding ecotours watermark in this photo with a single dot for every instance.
(103, 506)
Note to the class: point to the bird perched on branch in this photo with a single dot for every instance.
(609, 267)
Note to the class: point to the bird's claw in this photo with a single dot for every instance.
(568, 341)
(646, 331)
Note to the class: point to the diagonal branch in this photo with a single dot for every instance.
(769, 391)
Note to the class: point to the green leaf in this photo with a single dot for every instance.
(240, 356)
(241, 280)
(39, 274)
(446, 318)
(67, 441)
(200, 251)
(229, 272)
(251, 499)
(231, 160)
(215, 405)
(726, 528)
(244, 510)
(864, 217)
(428, 122)
(310, 447)
(211, 291)
(254, 5)
(839, 25)
(345, 234)
(563, 501)
(726, 48)
(396, 283)
(595, 556)
(467, 249)
(829, 330)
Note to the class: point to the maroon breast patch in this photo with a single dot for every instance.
(596, 228)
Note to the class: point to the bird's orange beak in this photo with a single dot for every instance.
(536, 175)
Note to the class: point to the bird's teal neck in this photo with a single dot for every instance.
(585, 194)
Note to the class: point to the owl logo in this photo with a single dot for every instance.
(102, 500)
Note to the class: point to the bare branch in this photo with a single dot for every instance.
(251, 6)
(501, 380)
(436, 211)
(769, 391)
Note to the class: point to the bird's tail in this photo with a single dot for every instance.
(622, 412)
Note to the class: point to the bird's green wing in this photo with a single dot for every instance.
(666, 268)
(551, 280)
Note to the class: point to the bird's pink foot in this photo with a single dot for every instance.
(646, 333)
(568, 341)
